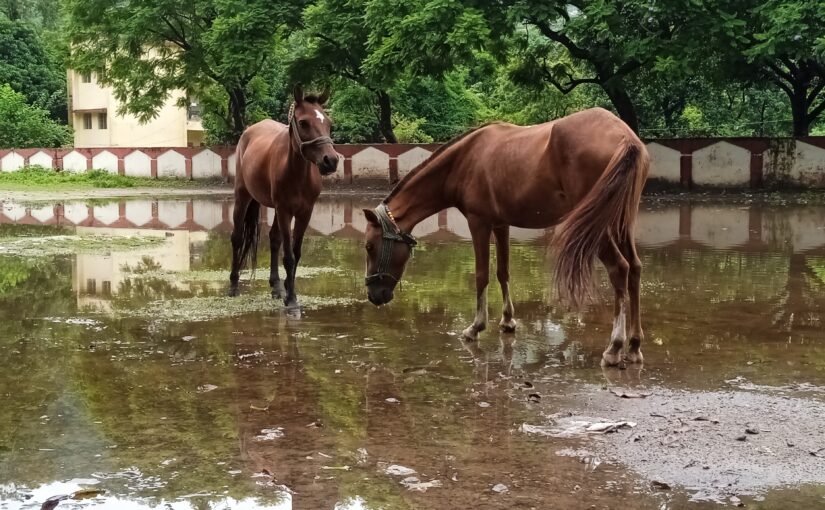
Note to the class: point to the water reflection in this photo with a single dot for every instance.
(754, 227)
(169, 414)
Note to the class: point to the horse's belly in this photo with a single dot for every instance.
(534, 208)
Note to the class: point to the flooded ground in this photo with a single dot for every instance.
(125, 368)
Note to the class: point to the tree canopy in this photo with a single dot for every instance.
(422, 70)
(27, 66)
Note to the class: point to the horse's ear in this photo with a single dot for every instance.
(371, 216)
(298, 93)
(324, 97)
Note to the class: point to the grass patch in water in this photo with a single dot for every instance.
(69, 244)
(35, 177)
(197, 309)
(214, 275)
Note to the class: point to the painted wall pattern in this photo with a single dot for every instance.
(717, 162)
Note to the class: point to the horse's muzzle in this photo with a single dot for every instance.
(379, 295)
(328, 165)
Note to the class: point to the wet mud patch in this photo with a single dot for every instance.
(722, 446)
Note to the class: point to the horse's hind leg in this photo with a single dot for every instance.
(634, 350)
(617, 269)
(502, 235)
(242, 201)
(275, 282)
(481, 245)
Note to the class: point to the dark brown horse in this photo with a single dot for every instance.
(584, 173)
(280, 166)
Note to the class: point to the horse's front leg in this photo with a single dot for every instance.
(278, 289)
(480, 232)
(301, 223)
(284, 219)
(502, 234)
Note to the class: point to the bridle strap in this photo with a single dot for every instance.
(391, 233)
(293, 128)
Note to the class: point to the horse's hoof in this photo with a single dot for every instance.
(634, 357)
(470, 334)
(233, 291)
(612, 359)
(291, 303)
(278, 289)
(507, 326)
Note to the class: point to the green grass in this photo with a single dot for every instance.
(35, 177)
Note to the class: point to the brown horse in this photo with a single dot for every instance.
(280, 166)
(584, 172)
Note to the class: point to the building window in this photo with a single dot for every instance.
(193, 111)
(91, 286)
(107, 288)
(101, 121)
(86, 77)
(87, 121)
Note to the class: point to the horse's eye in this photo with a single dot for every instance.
(304, 124)
(369, 247)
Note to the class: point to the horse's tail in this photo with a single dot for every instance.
(608, 211)
(247, 250)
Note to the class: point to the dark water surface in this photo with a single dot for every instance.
(125, 369)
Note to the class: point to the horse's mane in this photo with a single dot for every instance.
(432, 156)
(313, 98)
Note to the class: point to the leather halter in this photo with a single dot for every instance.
(293, 128)
(391, 233)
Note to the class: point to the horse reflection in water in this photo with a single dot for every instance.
(583, 173)
(280, 166)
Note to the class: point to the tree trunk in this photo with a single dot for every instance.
(799, 110)
(616, 91)
(385, 117)
(237, 112)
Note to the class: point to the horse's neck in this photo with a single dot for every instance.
(424, 193)
(297, 168)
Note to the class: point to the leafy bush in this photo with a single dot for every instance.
(23, 125)
(409, 130)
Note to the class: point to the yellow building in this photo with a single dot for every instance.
(94, 117)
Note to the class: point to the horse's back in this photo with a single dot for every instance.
(532, 175)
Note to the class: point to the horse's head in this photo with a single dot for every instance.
(310, 128)
(388, 250)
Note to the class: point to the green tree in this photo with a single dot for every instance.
(148, 50)
(380, 44)
(24, 125)
(333, 44)
(781, 41)
(27, 66)
(566, 44)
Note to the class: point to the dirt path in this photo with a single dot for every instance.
(719, 445)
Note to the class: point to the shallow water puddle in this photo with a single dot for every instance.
(127, 370)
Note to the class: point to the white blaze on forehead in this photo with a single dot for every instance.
(319, 115)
